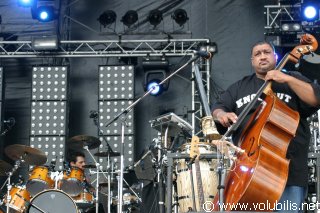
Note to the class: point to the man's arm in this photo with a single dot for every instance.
(303, 89)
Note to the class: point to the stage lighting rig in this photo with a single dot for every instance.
(310, 10)
(180, 16)
(108, 17)
(155, 72)
(44, 11)
(155, 17)
(130, 18)
(291, 26)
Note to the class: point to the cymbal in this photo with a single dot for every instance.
(105, 154)
(4, 168)
(89, 166)
(79, 141)
(29, 155)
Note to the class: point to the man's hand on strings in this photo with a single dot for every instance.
(277, 76)
(226, 119)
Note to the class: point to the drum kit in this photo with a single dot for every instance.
(47, 190)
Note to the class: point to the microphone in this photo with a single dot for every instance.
(10, 122)
(93, 114)
(204, 54)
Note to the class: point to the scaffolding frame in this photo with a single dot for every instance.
(122, 48)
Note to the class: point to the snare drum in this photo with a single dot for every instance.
(18, 204)
(39, 180)
(53, 201)
(72, 182)
(208, 177)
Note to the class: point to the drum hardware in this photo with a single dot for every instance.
(97, 179)
(8, 182)
(21, 154)
(109, 153)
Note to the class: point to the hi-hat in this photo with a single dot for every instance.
(29, 155)
(4, 168)
(105, 154)
(79, 141)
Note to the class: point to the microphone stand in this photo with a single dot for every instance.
(9, 186)
(123, 115)
(109, 150)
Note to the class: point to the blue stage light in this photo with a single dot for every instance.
(154, 86)
(25, 3)
(45, 13)
(310, 10)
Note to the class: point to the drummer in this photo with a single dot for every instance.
(78, 159)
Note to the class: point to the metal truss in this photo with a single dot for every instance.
(197, 108)
(277, 13)
(104, 48)
(122, 48)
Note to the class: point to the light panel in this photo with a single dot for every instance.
(49, 111)
(116, 82)
(48, 118)
(108, 110)
(116, 93)
(49, 83)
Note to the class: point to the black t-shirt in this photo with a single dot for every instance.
(239, 94)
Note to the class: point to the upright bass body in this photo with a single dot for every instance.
(258, 177)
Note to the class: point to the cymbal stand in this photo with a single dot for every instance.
(109, 150)
(159, 165)
(9, 186)
(97, 180)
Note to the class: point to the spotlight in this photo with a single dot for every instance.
(180, 16)
(44, 13)
(154, 86)
(26, 3)
(130, 18)
(310, 10)
(291, 26)
(155, 72)
(155, 17)
(107, 17)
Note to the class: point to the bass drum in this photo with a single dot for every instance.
(52, 201)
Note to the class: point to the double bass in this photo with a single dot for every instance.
(258, 177)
